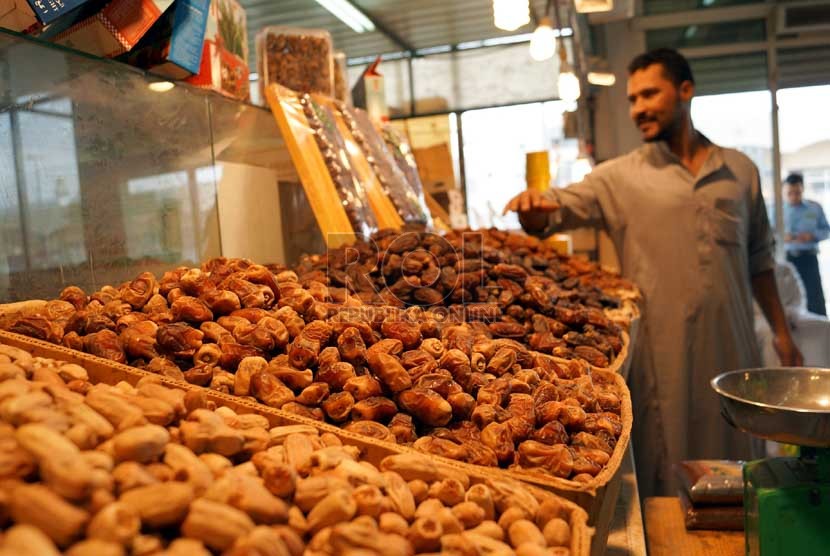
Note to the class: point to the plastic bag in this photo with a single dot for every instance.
(338, 163)
(409, 206)
(712, 481)
(311, 165)
(717, 518)
(300, 59)
(385, 213)
(405, 159)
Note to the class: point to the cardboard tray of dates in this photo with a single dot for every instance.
(529, 335)
(100, 457)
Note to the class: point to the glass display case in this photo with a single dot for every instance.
(106, 171)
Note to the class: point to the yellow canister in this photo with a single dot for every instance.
(537, 170)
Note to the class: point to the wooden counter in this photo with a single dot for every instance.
(667, 536)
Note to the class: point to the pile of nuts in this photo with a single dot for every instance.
(416, 376)
(299, 59)
(150, 470)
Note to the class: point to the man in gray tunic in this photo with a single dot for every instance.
(689, 224)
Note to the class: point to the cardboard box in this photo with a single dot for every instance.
(30, 16)
(48, 11)
(173, 47)
(435, 167)
(17, 15)
(224, 66)
(115, 29)
(369, 93)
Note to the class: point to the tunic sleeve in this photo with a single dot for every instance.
(761, 239)
(579, 204)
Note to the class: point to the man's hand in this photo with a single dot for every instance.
(533, 208)
(805, 237)
(787, 351)
(789, 237)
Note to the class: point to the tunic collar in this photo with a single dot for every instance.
(660, 154)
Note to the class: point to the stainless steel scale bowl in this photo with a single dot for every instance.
(786, 500)
(786, 404)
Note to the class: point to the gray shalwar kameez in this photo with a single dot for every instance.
(691, 243)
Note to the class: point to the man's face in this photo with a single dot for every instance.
(655, 102)
(794, 193)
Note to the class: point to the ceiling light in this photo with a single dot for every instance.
(594, 6)
(346, 12)
(160, 86)
(510, 14)
(543, 41)
(568, 86)
(603, 78)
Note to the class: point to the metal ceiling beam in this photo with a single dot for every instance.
(702, 17)
(402, 43)
(755, 46)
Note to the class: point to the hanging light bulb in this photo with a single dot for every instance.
(543, 41)
(511, 14)
(567, 84)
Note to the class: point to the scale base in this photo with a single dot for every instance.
(787, 507)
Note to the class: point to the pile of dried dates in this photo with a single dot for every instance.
(500, 379)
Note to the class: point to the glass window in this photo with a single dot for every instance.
(12, 249)
(495, 143)
(741, 121)
(805, 148)
(707, 34)
(651, 7)
(53, 196)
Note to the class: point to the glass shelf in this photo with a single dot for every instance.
(102, 177)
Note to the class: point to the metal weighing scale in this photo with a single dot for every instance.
(786, 499)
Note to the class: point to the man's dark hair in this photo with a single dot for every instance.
(674, 64)
(795, 178)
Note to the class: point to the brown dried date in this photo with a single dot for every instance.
(376, 408)
(507, 329)
(339, 406)
(592, 355)
(462, 405)
(138, 292)
(351, 346)
(293, 378)
(441, 447)
(409, 333)
(403, 428)
(314, 394)
(552, 433)
(426, 406)
(40, 327)
(569, 414)
(388, 369)
(105, 344)
(221, 302)
(498, 438)
(557, 459)
(233, 354)
(336, 375)
(363, 387)
(371, 429)
(308, 412)
(74, 295)
(270, 390)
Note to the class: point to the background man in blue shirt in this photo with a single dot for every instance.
(805, 226)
